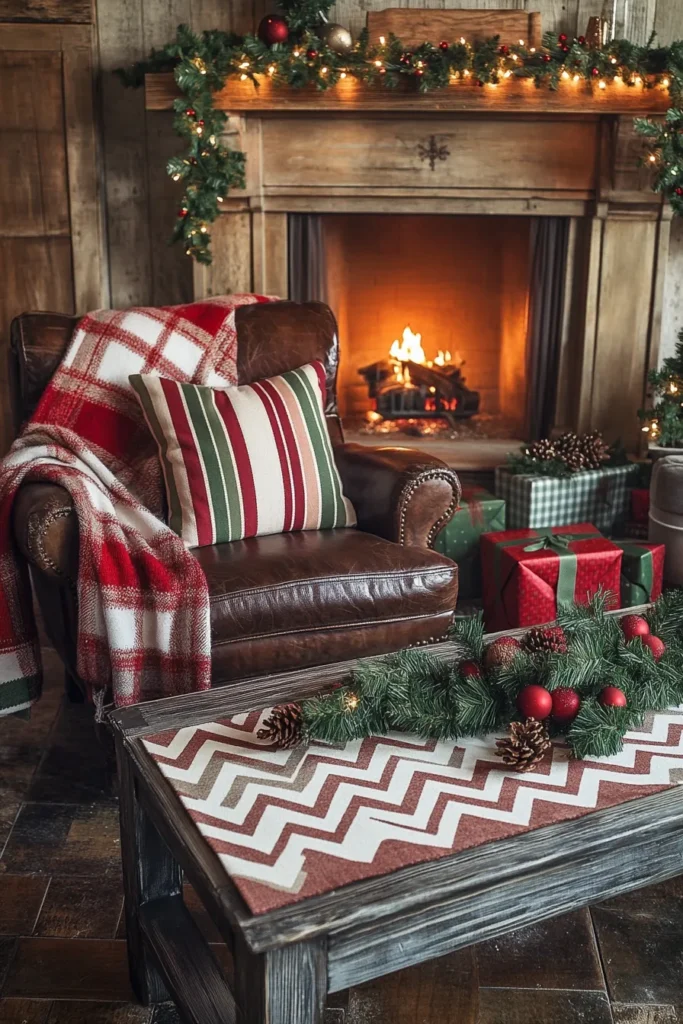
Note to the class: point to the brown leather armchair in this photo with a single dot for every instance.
(277, 602)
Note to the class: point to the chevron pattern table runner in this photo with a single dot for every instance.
(290, 824)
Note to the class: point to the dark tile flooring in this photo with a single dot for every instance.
(63, 957)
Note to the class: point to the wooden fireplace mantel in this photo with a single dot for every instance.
(509, 150)
(516, 96)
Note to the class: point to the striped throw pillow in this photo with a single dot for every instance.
(243, 461)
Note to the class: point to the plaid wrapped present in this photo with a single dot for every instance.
(598, 496)
(479, 512)
(528, 573)
(642, 572)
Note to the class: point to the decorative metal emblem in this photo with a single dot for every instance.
(433, 151)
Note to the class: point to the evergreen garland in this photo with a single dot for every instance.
(412, 691)
(201, 65)
(664, 422)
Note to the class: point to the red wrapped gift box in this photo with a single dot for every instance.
(526, 573)
(640, 504)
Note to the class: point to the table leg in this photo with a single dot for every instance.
(283, 986)
(149, 872)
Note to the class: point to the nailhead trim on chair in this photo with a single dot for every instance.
(437, 474)
(36, 534)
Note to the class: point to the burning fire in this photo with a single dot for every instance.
(410, 350)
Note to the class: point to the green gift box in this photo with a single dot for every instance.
(597, 496)
(479, 512)
(642, 571)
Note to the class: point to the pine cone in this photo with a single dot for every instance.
(570, 449)
(284, 727)
(544, 450)
(525, 746)
(595, 450)
(551, 639)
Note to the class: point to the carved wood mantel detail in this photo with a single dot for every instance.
(514, 150)
(433, 151)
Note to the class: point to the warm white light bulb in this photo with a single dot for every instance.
(462, 40)
(666, 82)
(565, 75)
(602, 83)
(382, 41)
(343, 74)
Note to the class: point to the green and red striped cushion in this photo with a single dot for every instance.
(244, 461)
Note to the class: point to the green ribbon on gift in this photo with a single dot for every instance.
(546, 541)
(636, 587)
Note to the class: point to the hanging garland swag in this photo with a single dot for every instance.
(310, 55)
(591, 678)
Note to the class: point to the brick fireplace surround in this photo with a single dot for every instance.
(510, 150)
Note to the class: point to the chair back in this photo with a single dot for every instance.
(271, 338)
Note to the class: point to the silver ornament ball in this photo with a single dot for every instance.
(337, 37)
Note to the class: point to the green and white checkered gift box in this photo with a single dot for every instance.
(597, 496)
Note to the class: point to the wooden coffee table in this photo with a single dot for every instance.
(326, 867)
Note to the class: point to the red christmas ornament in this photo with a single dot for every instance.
(565, 49)
(501, 652)
(504, 50)
(679, 191)
(183, 211)
(656, 645)
(546, 58)
(612, 697)
(190, 111)
(311, 54)
(419, 71)
(566, 704)
(469, 668)
(634, 625)
(273, 29)
(562, 37)
(595, 71)
(443, 45)
(581, 40)
(535, 702)
(200, 123)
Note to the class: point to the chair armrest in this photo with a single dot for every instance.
(398, 493)
(46, 529)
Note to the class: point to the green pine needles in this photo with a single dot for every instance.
(413, 691)
(202, 63)
(664, 421)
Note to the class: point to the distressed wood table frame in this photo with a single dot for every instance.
(287, 960)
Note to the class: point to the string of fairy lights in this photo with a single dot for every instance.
(202, 64)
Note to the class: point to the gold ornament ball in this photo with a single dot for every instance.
(338, 38)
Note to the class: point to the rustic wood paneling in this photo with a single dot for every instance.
(71, 11)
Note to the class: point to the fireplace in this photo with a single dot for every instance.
(433, 314)
(510, 158)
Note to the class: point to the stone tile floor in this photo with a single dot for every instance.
(62, 951)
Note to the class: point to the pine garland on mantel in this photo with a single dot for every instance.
(201, 65)
(588, 653)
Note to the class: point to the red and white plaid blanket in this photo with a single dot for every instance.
(143, 603)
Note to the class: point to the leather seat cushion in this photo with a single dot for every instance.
(269, 590)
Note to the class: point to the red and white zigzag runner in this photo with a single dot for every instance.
(289, 824)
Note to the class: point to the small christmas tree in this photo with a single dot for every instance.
(663, 423)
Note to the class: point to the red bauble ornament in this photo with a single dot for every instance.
(469, 668)
(566, 704)
(679, 191)
(595, 71)
(565, 49)
(546, 58)
(562, 37)
(634, 625)
(200, 123)
(311, 54)
(581, 40)
(501, 652)
(504, 50)
(656, 645)
(443, 45)
(612, 697)
(183, 211)
(535, 702)
(273, 29)
(190, 111)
